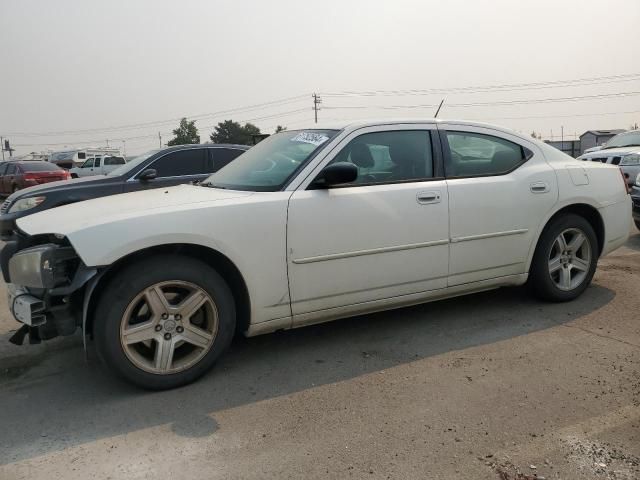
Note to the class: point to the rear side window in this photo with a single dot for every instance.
(11, 169)
(97, 164)
(3, 169)
(184, 162)
(114, 161)
(476, 155)
(219, 157)
(39, 167)
(387, 157)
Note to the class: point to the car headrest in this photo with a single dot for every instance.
(361, 156)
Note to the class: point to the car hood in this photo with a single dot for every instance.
(67, 219)
(66, 185)
(612, 152)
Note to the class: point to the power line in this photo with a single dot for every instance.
(132, 126)
(488, 104)
(488, 88)
(158, 134)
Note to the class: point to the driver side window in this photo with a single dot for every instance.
(389, 157)
(88, 163)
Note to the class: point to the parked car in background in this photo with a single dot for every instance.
(310, 226)
(635, 199)
(15, 176)
(622, 150)
(98, 165)
(68, 159)
(156, 168)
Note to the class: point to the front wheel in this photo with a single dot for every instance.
(565, 259)
(163, 322)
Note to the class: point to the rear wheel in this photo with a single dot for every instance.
(163, 322)
(565, 259)
(14, 189)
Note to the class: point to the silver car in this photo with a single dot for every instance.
(622, 150)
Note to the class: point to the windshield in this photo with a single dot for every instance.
(131, 164)
(626, 139)
(271, 163)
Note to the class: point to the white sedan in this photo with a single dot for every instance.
(309, 226)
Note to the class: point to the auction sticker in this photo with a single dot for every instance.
(310, 137)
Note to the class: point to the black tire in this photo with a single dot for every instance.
(540, 279)
(123, 288)
(14, 189)
(73, 175)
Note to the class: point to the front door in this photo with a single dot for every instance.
(500, 189)
(381, 238)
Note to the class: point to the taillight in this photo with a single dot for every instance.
(29, 177)
(624, 180)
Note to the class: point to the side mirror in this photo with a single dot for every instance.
(336, 174)
(148, 174)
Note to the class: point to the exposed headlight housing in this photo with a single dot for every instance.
(26, 204)
(633, 159)
(44, 266)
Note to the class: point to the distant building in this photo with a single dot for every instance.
(570, 147)
(594, 138)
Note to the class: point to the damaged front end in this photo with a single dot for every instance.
(46, 281)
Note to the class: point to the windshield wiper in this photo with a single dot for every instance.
(211, 185)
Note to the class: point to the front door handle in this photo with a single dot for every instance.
(425, 198)
(539, 187)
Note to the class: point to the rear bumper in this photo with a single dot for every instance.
(617, 224)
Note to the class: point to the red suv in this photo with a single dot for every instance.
(17, 175)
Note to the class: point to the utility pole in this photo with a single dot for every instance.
(160, 139)
(124, 147)
(562, 138)
(316, 101)
(2, 147)
(107, 143)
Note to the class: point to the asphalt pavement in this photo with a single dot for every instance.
(479, 387)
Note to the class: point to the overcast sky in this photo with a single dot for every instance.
(72, 66)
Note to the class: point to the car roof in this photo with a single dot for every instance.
(205, 145)
(354, 124)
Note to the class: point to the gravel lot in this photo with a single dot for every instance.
(471, 388)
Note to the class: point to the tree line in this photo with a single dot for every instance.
(225, 132)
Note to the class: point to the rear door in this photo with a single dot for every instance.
(174, 168)
(500, 190)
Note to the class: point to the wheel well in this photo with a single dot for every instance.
(215, 259)
(590, 214)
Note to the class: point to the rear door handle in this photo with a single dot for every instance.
(539, 187)
(425, 198)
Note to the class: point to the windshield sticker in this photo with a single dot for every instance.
(310, 137)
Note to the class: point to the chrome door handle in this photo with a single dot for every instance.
(428, 197)
(539, 187)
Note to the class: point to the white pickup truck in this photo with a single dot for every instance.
(98, 165)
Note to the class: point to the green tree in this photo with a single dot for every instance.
(232, 132)
(280, 128)
(185, 134)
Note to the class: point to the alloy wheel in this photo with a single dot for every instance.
(169, 327)
(570, 259)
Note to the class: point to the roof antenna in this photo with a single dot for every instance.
(439, 107)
